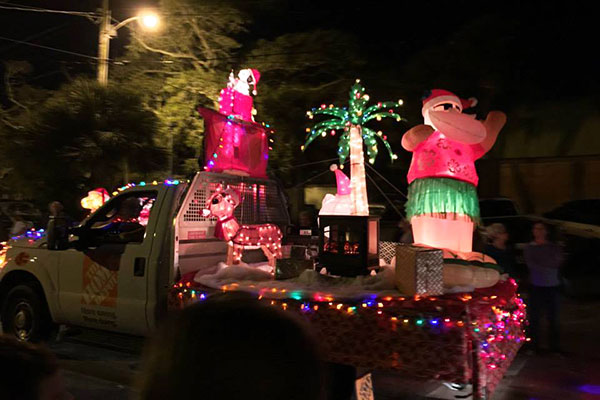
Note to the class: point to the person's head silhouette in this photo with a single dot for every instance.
(232, 347)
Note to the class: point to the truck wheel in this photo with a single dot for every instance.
(26, 315)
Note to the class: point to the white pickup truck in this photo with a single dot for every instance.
(113, 271)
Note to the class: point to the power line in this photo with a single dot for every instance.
(232, 57)
(387, 181)
(48, 48)
(49, 11)
(36, 35)
(304, 165)
(16, 5)
(384, 195)
(313, 178)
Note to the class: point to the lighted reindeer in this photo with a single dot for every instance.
(241, 237)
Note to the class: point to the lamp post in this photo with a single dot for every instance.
(107, 31)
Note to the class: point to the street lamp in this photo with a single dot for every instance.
(146, 18)
(150, 20)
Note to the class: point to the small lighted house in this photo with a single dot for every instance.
(349, 244)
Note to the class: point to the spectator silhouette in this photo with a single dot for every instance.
(232, 347)
(499, 249)
(406, 235)
(20, 225)
(29, 372)
(57, 225)
(543, 259)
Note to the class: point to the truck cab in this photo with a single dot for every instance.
(114, 270)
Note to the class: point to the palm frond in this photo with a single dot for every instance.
(343, 151)
(337, 112)
(380, 115)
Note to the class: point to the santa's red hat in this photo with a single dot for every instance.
(256, 76)
(232, 195)
(440, 96)
(343, 182)
(103, 192)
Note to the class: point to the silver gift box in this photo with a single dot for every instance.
(419, 270)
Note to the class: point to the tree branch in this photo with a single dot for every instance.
(316, 88)
(158, 71)
(207, 49)
(11, 124)
(168, 53)
(10, 94)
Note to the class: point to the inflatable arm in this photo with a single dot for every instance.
(493, 123)
(416, 135)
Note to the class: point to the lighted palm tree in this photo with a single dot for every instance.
(350, 121)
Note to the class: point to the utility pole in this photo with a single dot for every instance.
(104, 44)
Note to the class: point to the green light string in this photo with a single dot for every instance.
(357, 113)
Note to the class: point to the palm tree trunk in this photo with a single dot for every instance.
(358, 182)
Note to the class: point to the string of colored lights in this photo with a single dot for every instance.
(32, 235)
(168, 182)
(499, 321)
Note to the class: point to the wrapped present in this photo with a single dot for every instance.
(286, 268)
(419, 270)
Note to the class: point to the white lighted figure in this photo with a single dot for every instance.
(340, 203)
(442, 205)
(241, 237)
(95, 199)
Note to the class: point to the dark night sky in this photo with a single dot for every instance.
(549, 52)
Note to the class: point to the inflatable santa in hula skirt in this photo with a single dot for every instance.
(442, 205)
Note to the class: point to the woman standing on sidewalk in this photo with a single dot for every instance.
(543, 259)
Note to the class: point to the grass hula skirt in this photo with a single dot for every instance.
(437, 197)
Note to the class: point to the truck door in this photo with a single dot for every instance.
(103, 282)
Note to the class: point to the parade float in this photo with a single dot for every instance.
(432, 310)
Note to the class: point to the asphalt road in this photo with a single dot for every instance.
(103, 367)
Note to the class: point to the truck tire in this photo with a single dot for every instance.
(25, 314)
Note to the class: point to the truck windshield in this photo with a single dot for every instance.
(124, 219)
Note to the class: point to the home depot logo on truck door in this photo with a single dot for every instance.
(100, 280)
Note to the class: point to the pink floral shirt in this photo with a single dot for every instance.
(441, 157)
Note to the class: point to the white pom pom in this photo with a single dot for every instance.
(333, 167)
(473, 101)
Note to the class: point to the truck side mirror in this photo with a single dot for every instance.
(57, 233)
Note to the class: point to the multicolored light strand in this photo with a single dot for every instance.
(32, 235)
(499, 322)
(167, 182)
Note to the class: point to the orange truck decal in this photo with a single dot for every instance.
(100, 285)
